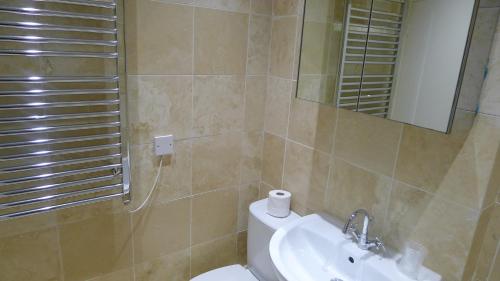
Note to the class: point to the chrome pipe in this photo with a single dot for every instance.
(60, 206)
(45, 93)
(55, 27)
(373, 108)
(366, 83)
(366, 97)
(56, 186)
(44, 53)
(40, 105)
(46, 165)
(28, 39)
(45, 153)
(50, 141)
(57, 79)
(374, 41)
(51, 129)
(61, 174)
(32, 11)
(49, 198)
(368, 76)
(54, 117)
(91, 3)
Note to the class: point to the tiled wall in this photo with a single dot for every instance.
(484, 259)
(198, 70)
(221, 76)
(418, 184)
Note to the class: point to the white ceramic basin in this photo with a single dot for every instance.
(313, 248)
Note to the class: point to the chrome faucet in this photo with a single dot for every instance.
(362, 238)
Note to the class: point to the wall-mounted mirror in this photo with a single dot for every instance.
(396, 59)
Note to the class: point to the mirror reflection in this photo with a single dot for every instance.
(395, 59)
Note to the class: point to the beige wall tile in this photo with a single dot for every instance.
(218, 103)
(320, 10)
(159, 105)
(477, 59)
(273, 160)
(495, 271)
(216, 162)
(446, 230)
(354, 188)
(264, 190)
(143, 167)
(251, 161)
(160, 230)
(175, 180)
(279, 94)
(312, 124)
(298, 45)
(84, 212)
(306, 176)
(316, 47)
(242, 6)
(282, 46)
(471, 179)
(407, 205)
(255, 103)
(285, 7)
(27, 224)
(31, 256)
(214, 214)
(248, 194)
(490, 241)
(220, 42)
(102, 244)
(262, 7)
(317, 88)
(426, 156)
(174, 266)
(477, 244)
(490, 98)
(258, 46)
(242, 247)
(213, 254)
(121, 275)
(367, 141)
(148, 53)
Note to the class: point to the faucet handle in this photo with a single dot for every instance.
(379, 245)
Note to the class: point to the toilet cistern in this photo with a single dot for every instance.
(362, 237)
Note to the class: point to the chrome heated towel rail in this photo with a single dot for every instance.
(369, 54)
(62, 105)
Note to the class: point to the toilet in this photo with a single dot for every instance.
(261, 228)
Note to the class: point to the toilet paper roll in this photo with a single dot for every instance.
(278, 203)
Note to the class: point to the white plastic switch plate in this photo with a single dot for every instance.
(164, 145)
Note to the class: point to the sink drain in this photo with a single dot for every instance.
(336, 279)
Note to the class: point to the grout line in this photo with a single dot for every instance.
(190, 75)
(194, 5)
(331, 165)
(393, 178)
(492, 265)
(190, 249)
(245, 134)
(191, 150)
(132, 244)
(290, 98)
(59, 252)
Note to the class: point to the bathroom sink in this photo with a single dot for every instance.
(313, 248)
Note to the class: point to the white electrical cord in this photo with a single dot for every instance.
(155, 184)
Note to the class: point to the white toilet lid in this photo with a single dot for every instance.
(229, 273)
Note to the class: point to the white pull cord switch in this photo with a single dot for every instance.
(164, 145)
